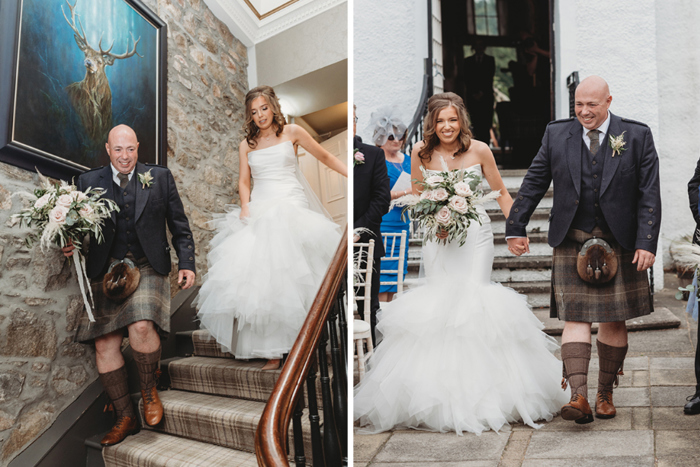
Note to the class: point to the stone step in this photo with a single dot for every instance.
(500, 251)
(499, 239)
(535, 225)
(504, 276)
(154, 449)
(510, 262)
(496, 215)
(218, 420)
(662, 318)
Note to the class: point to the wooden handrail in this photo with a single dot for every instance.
(271, 435)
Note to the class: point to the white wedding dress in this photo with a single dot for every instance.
(264, 273)
(460, 353)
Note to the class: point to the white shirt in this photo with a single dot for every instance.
(603, 128)
(115, 174)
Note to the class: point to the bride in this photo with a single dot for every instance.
(269, 256)
(460, 353)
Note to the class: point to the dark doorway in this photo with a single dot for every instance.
(496, 55)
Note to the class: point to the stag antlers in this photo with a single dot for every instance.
(81, 38)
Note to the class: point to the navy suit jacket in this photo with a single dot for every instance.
(629, 192)
(371, 193)
(156, 205)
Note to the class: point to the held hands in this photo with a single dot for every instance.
(643, 259)
(185, 278)
(519, 245)
(442, 234)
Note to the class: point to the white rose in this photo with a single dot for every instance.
(462, 189)
(64, 201)
(425, 194)
(443, 216)
(459, 204)
(78, 196)
(41, 202)
(87, 211)
(434, 180)
(58, 215)
(440, 194)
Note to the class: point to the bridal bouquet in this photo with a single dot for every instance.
(63, 215)
(447, 203)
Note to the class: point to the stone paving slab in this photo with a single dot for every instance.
(662, 318)
(441, 447)
(671, 396)
(367, 446)
(673, 418)
(672, 377)
(574, 445)
(679, 461)
(493, 463)
(666, 363)
(647, 461)
(670, 444)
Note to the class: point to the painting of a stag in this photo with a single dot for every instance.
(85, 66)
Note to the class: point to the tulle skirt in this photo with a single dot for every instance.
(459, 356)
(263, 276)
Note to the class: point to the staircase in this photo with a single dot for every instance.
(211, 412)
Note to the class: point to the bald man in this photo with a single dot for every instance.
(148, 199)
(598, 192)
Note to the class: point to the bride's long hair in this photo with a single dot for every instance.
(251, 129)
(436, 104)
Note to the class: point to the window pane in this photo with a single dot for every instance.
(493, 26)
(480, 7)
(491, 7)
(481, 28)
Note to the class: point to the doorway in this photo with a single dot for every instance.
(497, 57)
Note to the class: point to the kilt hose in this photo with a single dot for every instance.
(150, 301)
(626, 296)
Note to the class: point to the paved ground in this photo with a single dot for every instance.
(650, 428)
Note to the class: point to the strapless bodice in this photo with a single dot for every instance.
(273, 171)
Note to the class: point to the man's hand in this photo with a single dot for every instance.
(68, 250)
(442, 234)
(643, 259)
(519, 245)
(187, 276)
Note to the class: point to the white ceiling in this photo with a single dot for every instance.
(253, 21)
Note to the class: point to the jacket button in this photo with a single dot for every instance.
(192, 259)
(516, 209)
(651, 209)
(510, 222)
(649, 236)
(650, 222)
(576, 202)
(189, 247)
(189, 236)
(520, 197)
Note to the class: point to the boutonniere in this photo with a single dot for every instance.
(617, 143)
(358, 158)
(146, 179)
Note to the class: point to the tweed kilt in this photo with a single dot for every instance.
(626, 296)
(150, 301)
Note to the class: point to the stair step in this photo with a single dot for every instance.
(661, 318)
(154, 449)
(504, 276)
(496, 215)
(183, 343)
(206, 346)
(223, 421)
(536, 249)
(509, 262)
(224, 377)
(93, 450)
(498, 239)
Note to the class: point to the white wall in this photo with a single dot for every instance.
(390, 44)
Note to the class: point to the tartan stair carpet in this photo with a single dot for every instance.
(210, 415)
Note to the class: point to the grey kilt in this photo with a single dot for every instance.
(150, 301)
(626, 296)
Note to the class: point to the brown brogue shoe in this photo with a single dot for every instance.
(577, 410)
(124, 427)
(604, 407)
(152, 407)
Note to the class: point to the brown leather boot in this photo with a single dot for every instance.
(124, 427)
(116, 386)
(147, 364)
(575, 359)
(611, 360)
(577, 410)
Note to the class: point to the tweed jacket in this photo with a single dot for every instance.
(156, 205)
(629, 192)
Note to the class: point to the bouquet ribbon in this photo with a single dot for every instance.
(84, 283)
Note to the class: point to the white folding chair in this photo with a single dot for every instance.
(362, 275)
(390, 239)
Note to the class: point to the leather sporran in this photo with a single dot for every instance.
(596, 262)
(121, 280)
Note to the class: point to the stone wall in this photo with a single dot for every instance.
(41, 369)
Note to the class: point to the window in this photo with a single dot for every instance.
(483, 17)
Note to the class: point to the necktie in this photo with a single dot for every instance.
(595, 143)
(123, 180)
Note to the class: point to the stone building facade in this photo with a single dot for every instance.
(41, 369)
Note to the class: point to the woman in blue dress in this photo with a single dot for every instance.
(389, 133)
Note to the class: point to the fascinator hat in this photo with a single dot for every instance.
(385, 122)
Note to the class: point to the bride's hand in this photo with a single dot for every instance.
(245, 213)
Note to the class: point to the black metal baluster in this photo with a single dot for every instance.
(343, 323)
(331, 442)
(314, 419)
(299, 458)
(339, 389)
